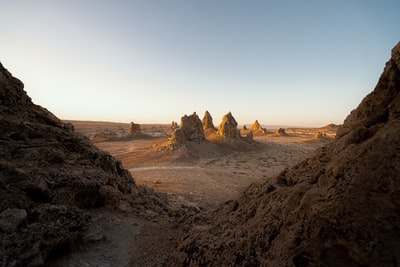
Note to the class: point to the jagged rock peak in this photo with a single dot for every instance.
(207, 121)
(191, 130)
(256, 127)
(228, 127)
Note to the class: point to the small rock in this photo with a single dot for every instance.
(10, 219)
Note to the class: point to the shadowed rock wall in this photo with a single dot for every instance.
(340, 207)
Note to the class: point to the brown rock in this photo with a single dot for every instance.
(51, 174)
(191, 130)
(281, 132)
(340, 207)
(174, 125)
(134, 128)
(257, 128)
(228, 127)
(207, 121)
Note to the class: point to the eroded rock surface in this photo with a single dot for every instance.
(134, 128)
(191, 129)
(49, 176)
(228, 127)
(340, 207)
(208, 121)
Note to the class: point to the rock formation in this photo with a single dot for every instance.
(49, 177)
(134, 128)
(340, 207)
(228, 127)
(174, 125)
(258, 129)
(280, 132)
(207, 121)
(191, 130)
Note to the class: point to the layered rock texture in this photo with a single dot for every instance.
(340, 207)
(191, 130)
(49, 176)
(228, 127)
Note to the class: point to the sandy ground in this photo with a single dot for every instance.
(194, 179)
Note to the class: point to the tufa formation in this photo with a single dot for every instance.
(134, 129)
(228, 127)
(340, 207)
(49, 177)
(207, 121)
(191, 130)
(258, 129)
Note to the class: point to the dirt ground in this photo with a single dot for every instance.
(194, 179)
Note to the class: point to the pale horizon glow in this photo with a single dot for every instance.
(295, 63)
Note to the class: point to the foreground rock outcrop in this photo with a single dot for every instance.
(49, 177)
(341, 207)
(228, 127)
(191, 129)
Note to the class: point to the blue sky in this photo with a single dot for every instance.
(299, 63)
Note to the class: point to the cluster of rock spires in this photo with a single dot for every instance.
(340, 207)
(256, 127)
(192, 129)
(49, 177)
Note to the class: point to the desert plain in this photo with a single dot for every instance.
(193, 178)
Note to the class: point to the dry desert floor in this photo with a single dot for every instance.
(193, 179)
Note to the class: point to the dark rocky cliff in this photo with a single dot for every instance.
(340, 207)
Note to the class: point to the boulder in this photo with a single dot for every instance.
(339, 207)
(228, 127)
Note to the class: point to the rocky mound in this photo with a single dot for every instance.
(191, 130)
(340, 207)
(49, 176)
(228, 127)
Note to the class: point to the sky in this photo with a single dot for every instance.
(295, 63)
